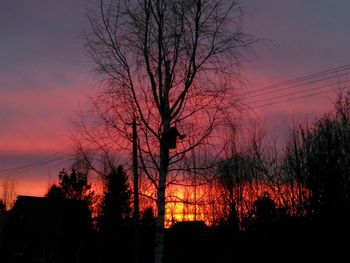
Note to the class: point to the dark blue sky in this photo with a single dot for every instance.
(309, 36)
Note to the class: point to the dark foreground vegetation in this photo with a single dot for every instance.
(267, 240)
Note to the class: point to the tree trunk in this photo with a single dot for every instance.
(136, 191)
(163, 171)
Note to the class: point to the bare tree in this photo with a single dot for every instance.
(170, 64)
(317, 158)
(8, 192)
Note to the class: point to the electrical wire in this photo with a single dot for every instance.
(294, 86)
(300, 97)
(300, 92)
(20, 171)
(300, 79)
(260, 94)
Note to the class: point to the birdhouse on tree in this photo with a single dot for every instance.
(171, 136)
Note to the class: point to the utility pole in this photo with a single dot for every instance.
(136, 191)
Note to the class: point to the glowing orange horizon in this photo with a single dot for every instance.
(185, 203)
(205, 203)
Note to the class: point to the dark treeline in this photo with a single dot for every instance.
(271, 206)
(306, 214)
(277, 204)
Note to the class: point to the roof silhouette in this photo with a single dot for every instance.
(41, 216)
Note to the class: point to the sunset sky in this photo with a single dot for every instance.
(45, 76)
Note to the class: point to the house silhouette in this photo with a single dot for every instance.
(47, 230)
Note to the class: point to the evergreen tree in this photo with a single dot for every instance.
(115, 209)
(54, 192)
(72, 186)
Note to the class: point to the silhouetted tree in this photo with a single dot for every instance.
(323, 167)
(261, 220)
(148, 217)
(166, 63)
(233, 174)
(265, 209)
(8, 192)
(318, 158)
(115, 210)
(54, 192)
(72, 186)
(115, 216)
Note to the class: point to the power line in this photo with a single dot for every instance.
(276, 89)
(297, 98)
(281, 88)
(18, 172)
(298, 92)
(42, 160)
(301, 79)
